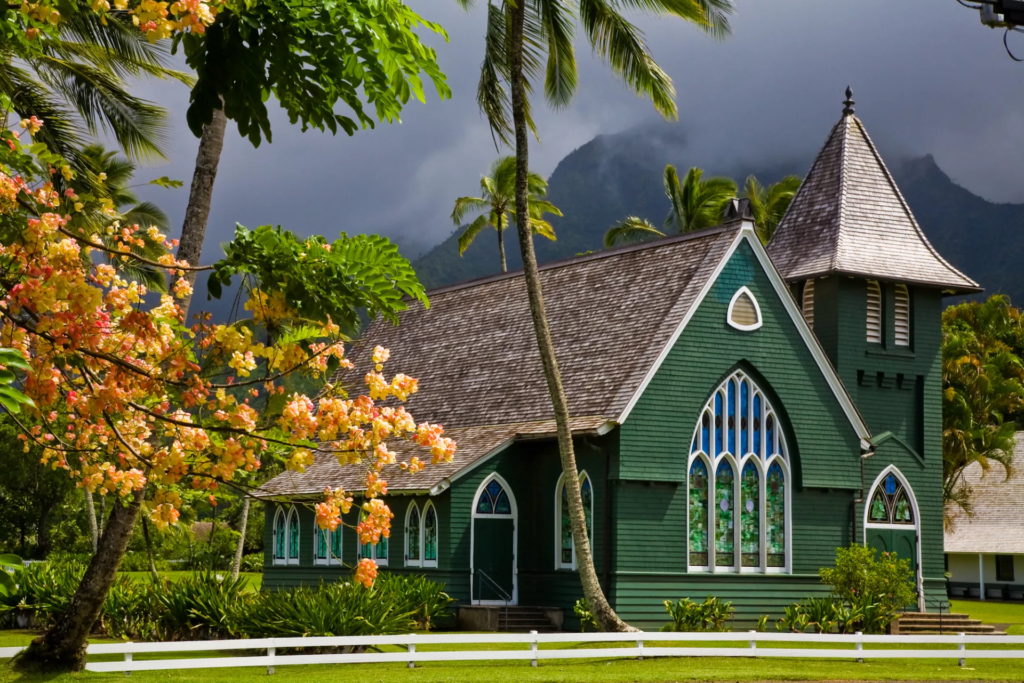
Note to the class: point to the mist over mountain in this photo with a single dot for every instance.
(614, 176)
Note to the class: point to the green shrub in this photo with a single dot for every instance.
(252, 563)
(582, 610)
(336, 609)
(821, 613)
(200, 606)
(689, 616)
(139, 562)
(794, 619)
(425, 600)
(874, 585)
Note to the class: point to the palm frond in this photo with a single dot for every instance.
(464, 204)
(621, 45)
(147, 214)
(560, 77)
(631, 229)
(543, 228)
(471, 231)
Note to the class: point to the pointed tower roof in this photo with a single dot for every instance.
(849, 217)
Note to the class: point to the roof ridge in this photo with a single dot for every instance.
(668, 240)
(843, 161)
(903, 203)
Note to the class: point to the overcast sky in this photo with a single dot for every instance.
(927, 78)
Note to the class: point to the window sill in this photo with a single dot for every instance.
(890, 353)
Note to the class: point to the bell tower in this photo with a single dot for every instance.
(871, 287)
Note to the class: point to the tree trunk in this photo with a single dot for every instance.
(90, 513)
(43, 530)
(62, 647)
(193, 230)
(103, 514)
(603, 612)
(149, 549)
(237, 565)
(501, 241)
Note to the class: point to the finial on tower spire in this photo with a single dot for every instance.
(848, 103)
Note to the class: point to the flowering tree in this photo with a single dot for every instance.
(123, 395)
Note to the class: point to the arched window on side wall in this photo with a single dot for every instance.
(293, 536)
(430, 535)
(281, 535)
(565, 547)
(738, 497)
(413, 532)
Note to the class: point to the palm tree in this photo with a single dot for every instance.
(518, 33)
(76, 83)
(769, 204)
(497, 201)
(695, 204)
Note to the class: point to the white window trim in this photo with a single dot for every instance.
(757, 310)
(429, 564)
(781, 454)
(280, 517)
(410, 562)
(558, 521)
(329, 535)
(288, 535)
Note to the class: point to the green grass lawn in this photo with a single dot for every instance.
(994, 613)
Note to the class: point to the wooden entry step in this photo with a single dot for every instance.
(512, 619)
(947, 624)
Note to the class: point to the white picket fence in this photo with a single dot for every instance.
(848, 647)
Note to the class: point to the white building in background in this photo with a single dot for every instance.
(985, 551)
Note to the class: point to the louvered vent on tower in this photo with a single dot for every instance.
(902, 328)
(874, 312)
(807, 303)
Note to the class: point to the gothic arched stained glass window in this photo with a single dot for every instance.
(412, 536)
(750, 516)
(493, 500)
(739, 460)
(890, 503)
(293, 536)
(430, 535)
(566, 545)
(698, 514)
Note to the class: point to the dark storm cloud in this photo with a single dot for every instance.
(927, 77)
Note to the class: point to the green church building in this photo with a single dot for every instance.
(738, 413)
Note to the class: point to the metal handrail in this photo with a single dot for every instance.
(500, 591)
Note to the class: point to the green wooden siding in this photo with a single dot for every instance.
(655, 438)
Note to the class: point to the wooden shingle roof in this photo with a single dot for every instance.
(475, 354)
(849, 217)
(997, 522)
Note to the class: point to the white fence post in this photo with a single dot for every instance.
(753, 643)
(127, 658)
(640, 647)
(860, 646)
(963, 650)
(412, 651)
(271, 651)
(533, 648)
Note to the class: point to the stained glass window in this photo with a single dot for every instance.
(493, 500)
(750, 516)
(566, 544)
(322, 550)
(724, 511)
(378, 551)
(412, 535)
(430, 535)
(293, 535)
(698, 514)
(280, 535)
(336, 545)
(890, 503)
(738, 420)
(566, 530)
(775, 514)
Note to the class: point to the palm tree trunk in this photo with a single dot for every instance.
(603, 612)
(501, 242)
(237, 565)
(193, 230)
(90, 513)
(149, 549)
(62, 647)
